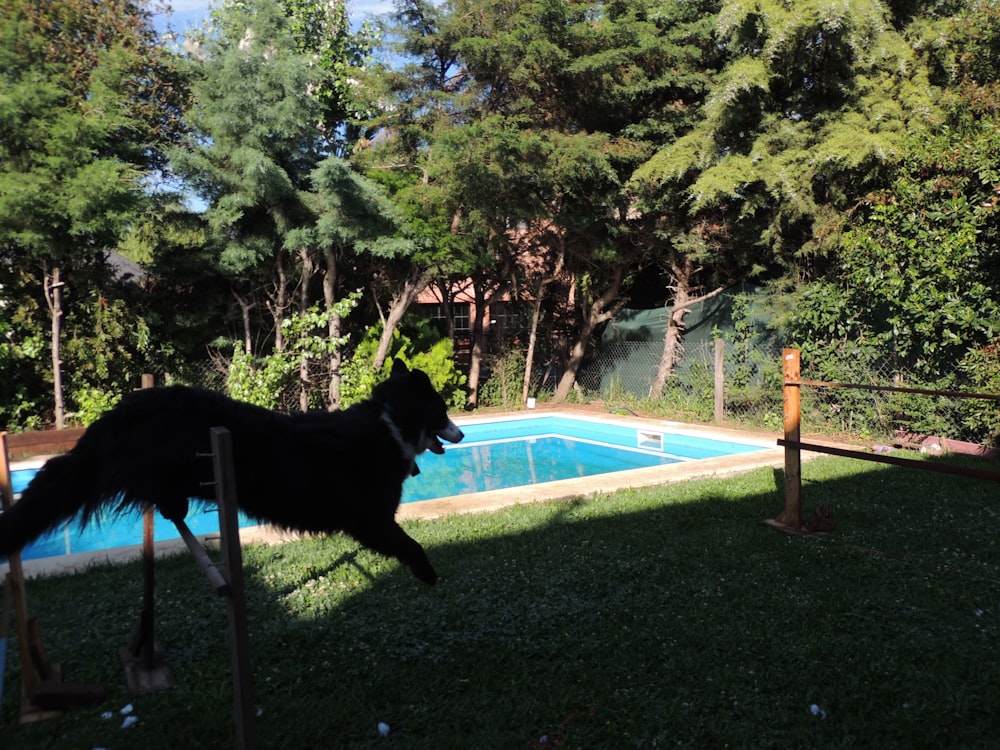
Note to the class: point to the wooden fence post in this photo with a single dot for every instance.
(720, 380)
(791, 517)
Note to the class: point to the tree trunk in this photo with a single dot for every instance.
(476, 347)
(444, 286)
(401, 301)
(305, 379)
(683, 272)
(278, 302)
(536, 317)
(245, 308)
(672, 346)
(599, 310)
(334, 330)
(483, 300)
(529, 357)
(52, 286)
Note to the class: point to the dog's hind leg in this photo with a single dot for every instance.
(173, 508)
(392, 541)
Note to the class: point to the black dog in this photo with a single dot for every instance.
(319, 471)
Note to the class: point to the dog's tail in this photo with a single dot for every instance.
(64, 486)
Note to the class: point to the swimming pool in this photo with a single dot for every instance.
(496, 454)
(533, 450)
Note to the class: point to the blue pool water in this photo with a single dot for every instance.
(512, 453)
(114, 532)
(493, 455)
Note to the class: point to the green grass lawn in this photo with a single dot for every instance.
(667, 617)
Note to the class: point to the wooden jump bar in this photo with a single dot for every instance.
(206, 563)
(910, 463)
(896, 389)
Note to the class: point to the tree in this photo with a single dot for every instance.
(322, 30)
(913, 283)
(546, 146)
(412, 105)
(285, 206)
(354, 218)
(257, 139)
(812, 103)
(916, 266)
(89, 101)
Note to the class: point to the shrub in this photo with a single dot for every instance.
(417, 344)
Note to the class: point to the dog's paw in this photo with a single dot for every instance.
(425, 572)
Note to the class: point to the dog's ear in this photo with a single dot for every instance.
(399, 367)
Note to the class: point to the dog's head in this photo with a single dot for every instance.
(416, 410)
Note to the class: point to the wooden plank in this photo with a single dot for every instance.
(144, 658)
(148, 619)
(33, 673)
(53, 695)
(205, 562)
(42, 442)
(911, 463)
(4, 635)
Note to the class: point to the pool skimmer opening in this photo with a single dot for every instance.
(649, 440)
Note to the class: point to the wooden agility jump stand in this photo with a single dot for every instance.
(43, 692)
(145, 667)
(790, 518)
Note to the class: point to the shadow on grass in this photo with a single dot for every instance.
(663, 617)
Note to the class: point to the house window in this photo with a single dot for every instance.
(508, 317)
(463, 321)
(459, 309)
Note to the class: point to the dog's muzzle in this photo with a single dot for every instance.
(451, 433)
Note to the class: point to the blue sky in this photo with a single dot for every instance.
(190, 13)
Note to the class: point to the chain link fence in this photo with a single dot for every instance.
(210, 374)
(960, 410)
(621, 375)
(214, 375)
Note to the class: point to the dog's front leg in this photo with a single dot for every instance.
(392, 541)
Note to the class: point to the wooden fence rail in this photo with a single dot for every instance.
(790, 518)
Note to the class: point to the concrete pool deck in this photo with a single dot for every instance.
(722, 466)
